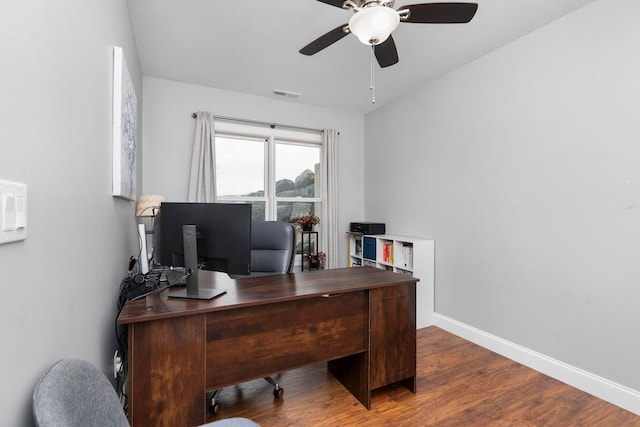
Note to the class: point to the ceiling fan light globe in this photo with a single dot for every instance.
(373, 25)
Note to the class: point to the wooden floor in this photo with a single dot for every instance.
(459, 384)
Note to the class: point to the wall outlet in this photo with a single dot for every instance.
(13, 211)
(117, 364)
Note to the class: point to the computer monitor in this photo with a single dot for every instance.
(210, 236)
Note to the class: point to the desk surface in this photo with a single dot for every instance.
(259, 291)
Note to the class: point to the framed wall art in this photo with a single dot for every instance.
(124, 129)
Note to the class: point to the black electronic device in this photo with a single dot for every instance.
(367, 227)
(133, 286)
(208, 236)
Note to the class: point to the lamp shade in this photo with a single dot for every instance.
(373, 25)
(148, 204)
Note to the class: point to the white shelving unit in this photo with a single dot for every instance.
(400, 254)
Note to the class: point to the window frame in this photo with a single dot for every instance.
(271, 137)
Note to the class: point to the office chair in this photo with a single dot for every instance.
(74, 393)
(273, 249)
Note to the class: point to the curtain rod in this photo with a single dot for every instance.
(256, 122)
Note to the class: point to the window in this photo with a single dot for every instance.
(278, 171)
(240, 172)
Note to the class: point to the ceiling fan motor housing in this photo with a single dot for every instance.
(373, 24)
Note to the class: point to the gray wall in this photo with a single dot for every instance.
(524, 166)
(60, 284)
(168, 138)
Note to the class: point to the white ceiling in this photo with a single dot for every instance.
(251, 46)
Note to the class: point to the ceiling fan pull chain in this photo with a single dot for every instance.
(372, 86)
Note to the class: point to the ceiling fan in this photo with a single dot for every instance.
(374, 21)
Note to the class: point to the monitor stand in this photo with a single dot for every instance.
(192, 290)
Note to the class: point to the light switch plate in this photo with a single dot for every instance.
(13, 211)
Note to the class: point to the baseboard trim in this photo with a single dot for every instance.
(602, 388)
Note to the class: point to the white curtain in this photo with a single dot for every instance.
(202, 186)
(330, 207)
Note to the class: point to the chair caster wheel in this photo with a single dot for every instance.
(278, 393)
(214, 408)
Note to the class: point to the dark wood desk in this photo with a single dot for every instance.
(361, 320)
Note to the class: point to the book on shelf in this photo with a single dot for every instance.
(369, 247)
(387, 252)
(407, 255)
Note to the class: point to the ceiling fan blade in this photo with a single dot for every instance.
(386, 53)
(325, 40)
(336, 3)
(439, 13)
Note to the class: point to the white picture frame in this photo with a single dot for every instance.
(125, 119)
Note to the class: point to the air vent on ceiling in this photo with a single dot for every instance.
(286, 93)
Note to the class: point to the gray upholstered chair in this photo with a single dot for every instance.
(74, 393)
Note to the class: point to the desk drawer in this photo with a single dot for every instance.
(258, 341)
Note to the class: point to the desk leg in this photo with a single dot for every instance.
(167, 372)
(353, 373)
